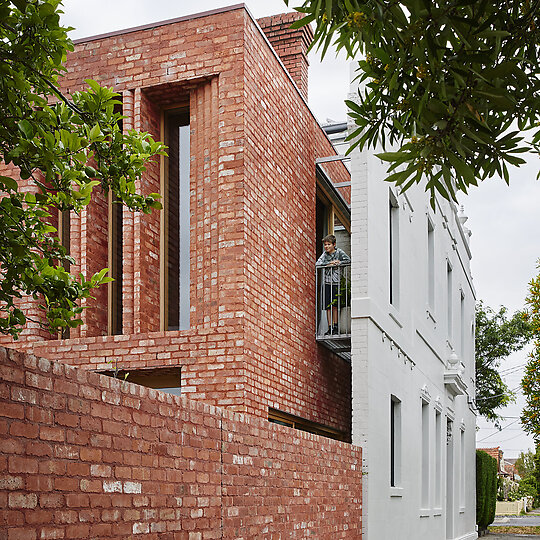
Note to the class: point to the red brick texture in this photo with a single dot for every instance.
(254, 142)
(290, 45)
(87, 456)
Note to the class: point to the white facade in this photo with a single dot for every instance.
(412, 360)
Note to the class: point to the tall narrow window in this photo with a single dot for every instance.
(115, 255)
(450, 479)
(395, 441)
(177, 225)
(393, 212)
(116, 226)
(462, 325)
(321, 221)
(450, 295)
(64, 234)
(431, 264)
(425, 455)
(463, 470)
(438, 458)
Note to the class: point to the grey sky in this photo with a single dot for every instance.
(505, 220)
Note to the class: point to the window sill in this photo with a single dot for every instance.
(424, 513)
(396, 492)
(461, 509)
(394, 315)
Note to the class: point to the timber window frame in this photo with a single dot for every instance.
(175, 252)
(276, 416)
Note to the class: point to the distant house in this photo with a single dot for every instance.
(505, 467)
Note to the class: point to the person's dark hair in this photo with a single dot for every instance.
(329, 238)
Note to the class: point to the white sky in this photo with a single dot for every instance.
(505, 221)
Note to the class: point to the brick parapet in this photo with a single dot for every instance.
(291, 45)
(88, 456)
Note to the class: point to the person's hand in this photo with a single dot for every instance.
(334, 263)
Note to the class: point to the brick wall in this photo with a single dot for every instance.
(86, 456)
(254, 142)
(290, 45)
(280, 245)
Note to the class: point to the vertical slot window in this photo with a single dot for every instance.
(431, 264)
(115, 255)
(116, 230)
(425, 455)
(393, 212)
(451, 481)
(395, 441)
(449, 297)
(64, 234)
(177, 220)
(438, 458)
(462, 325)
(463, 470)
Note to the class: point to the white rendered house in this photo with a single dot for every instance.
(412, 359)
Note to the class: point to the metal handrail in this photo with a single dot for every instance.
(333, 286)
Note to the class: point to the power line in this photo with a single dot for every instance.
(517, 389)
(502, 429)
(511, 438)
(512, 368)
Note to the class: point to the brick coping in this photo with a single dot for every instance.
(156, 24)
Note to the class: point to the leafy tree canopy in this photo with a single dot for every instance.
(525, 464)
(63, 148)
(530, 416)
(497, 336)
(447, 82)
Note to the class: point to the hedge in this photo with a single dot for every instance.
(486, 489)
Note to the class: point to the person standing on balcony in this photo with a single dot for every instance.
(331, 257)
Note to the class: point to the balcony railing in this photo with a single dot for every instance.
(334, 308)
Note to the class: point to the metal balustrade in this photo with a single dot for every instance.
(334, 308)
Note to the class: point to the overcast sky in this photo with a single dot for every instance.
(505, 221)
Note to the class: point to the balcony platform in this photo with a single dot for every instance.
(339, 344)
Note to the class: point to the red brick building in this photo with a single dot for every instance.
(214, 298)
(215, 294)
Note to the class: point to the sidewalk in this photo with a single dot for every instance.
(531, 519)
(508, 536)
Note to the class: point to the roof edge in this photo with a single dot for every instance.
(156, 24)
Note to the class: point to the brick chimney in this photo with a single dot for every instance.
(290, 45)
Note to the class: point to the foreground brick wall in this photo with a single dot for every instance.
(86, 456)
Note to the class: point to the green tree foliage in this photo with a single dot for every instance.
(530, 416)
(528, 467)
(528, 487)
(525, 463)
(486, 489)
(448, 82)
(65, 148)
(496, 337)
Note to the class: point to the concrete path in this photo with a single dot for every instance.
(508, 536)
(530, 520)
(519, 521)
